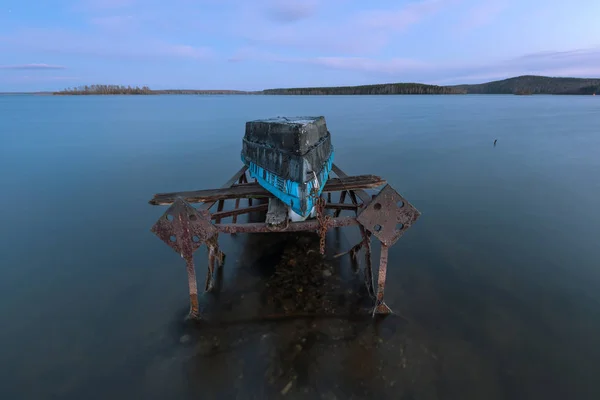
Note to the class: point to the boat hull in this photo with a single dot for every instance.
(291, 158)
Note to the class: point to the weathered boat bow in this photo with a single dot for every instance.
(281, 155)
(290, 157)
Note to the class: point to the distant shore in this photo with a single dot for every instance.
(521, 85)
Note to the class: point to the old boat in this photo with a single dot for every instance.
(291, 158)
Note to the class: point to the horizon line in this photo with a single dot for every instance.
(315, 87)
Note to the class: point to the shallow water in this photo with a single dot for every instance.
(495, 287)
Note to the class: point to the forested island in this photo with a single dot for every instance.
(128, 90)
(531, 84)
(521, 85)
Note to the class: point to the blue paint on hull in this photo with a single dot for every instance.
(294, 194)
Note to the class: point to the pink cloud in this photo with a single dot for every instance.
(342, 39)
(390, 66)
(355, 33)
(126, 47)
(400, 19)
(570, 63)
(361, 64)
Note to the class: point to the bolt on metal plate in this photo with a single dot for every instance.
(183, 228)
(388, 216)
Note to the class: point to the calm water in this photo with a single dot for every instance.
(498, 282)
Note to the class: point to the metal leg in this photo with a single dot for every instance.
(368, 266)
(194, 309)
(380, 306)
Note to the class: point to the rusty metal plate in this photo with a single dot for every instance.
(183, 228)
(388, 216)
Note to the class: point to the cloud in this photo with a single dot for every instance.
(578, 63)
(126, 47)
(326, 40)
(361, 64)
(402, 18)
(291, 10)
(347, 31)
(32, 66)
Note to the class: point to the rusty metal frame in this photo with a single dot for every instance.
(386, 215)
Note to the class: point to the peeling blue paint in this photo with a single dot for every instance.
(294, 194)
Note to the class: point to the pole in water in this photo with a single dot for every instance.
(495, 142)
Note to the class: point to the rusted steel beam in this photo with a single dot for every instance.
(237, 206)
(237, 176)
(240, 211)
(364, 196)
(310, 225)
(255, 190)
(219, 209)
(342, 201)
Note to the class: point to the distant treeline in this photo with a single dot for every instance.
(521, 85)
(388, 88)
(118, 89)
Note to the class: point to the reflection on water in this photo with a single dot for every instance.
(291, 322)
(495, 287)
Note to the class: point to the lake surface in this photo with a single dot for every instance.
(496, 287)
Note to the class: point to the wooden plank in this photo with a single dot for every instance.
(235, 178)
(364, 196)
(255, 190)
(340, 207)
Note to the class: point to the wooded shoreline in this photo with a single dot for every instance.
(522, 85)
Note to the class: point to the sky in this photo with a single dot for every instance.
(260, 44)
